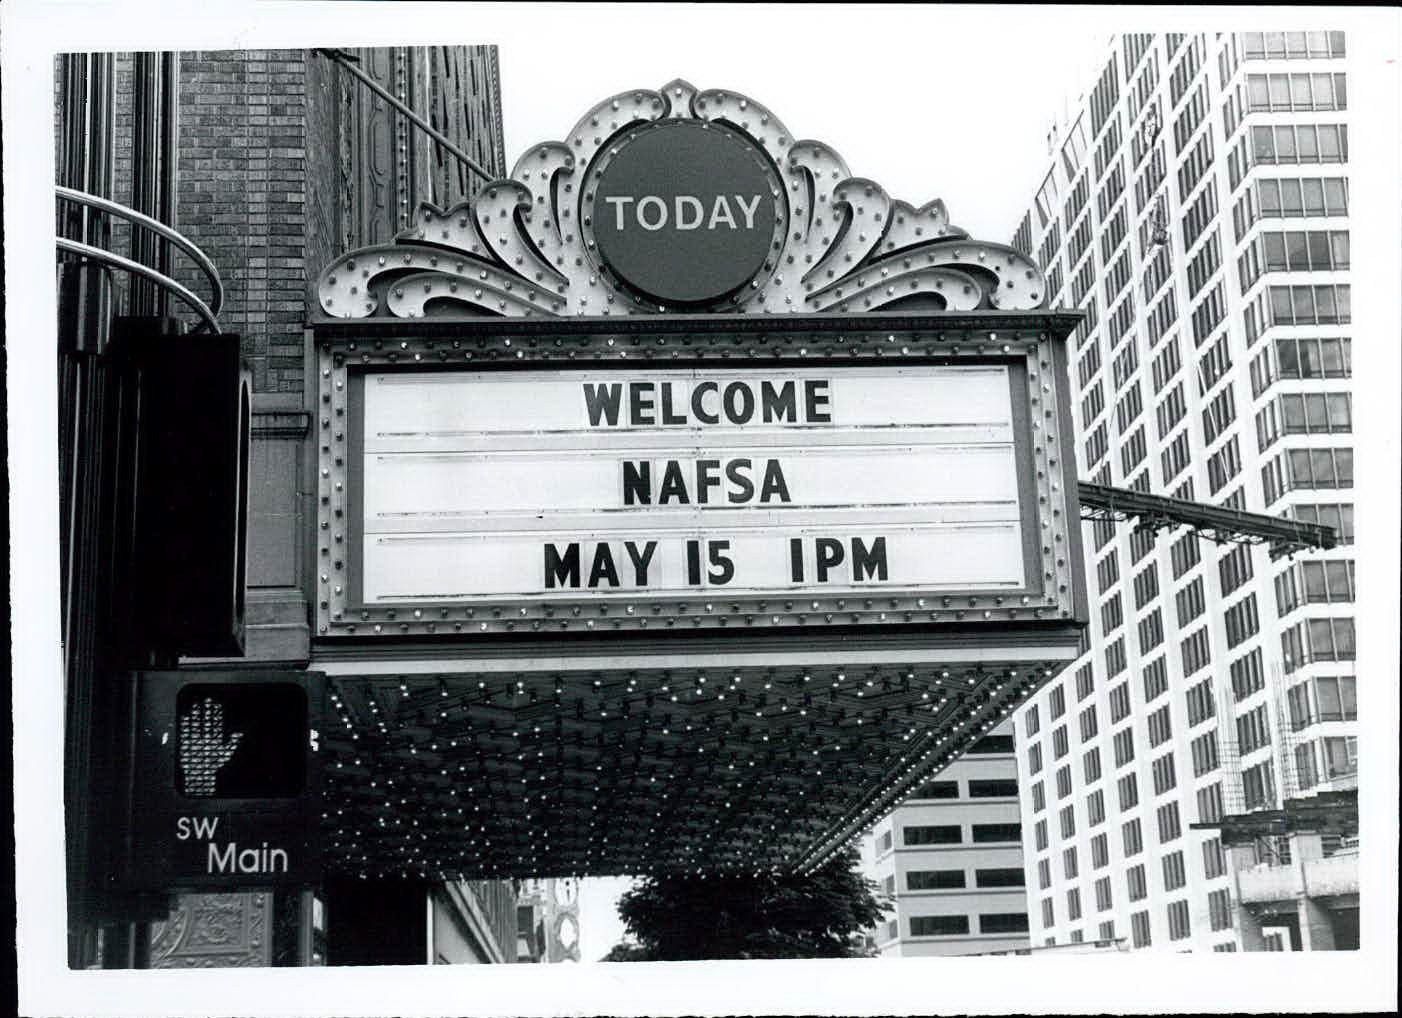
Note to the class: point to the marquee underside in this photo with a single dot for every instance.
(733, 761)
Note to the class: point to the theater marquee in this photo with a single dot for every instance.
(630, 483)
(511, 491)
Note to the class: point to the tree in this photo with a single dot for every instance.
(678, 918)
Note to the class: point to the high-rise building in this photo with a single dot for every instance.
(1195, 207)
(949, 859)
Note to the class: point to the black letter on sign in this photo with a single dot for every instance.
(602, 400)
(781, 405)
(559, 571)
(796, 558)
(815, 391)
(873, 562)
(715, 552)
(774, 483)
(736, 470)
(693, 563)
(603, 566)
(830, 553)
(640, 562)
(637, 482)
(640, 403)
(739, 403)
(673, 485)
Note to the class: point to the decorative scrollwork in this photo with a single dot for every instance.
(522, 248)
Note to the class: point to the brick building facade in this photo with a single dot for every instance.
(282, 160)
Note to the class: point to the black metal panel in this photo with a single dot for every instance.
(189, 546)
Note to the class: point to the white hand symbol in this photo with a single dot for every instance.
(202, 747)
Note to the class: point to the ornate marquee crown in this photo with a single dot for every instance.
(523, 247)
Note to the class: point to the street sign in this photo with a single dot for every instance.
(225, 789)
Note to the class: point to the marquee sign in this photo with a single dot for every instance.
(802, 451)
(548, 484)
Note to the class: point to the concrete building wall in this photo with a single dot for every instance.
(1208, 685)
(957, 886)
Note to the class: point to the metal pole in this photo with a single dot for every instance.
(346, 61)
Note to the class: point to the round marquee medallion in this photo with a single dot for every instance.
(685, 212)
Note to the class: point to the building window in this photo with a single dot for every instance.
(1317, 640)
(1085, 681)
(1128, 786)
(1107, 930)
(1060, 743)
(1253, 730)
(938, 925)
(1124, 746)
(1214, 860)
(992, 789)
(1139, 929)
(1031, 723)
(1196, 652)
(1288, 144)
(991, 744)
(1043, 873)
(1040, 834)
(1175, 874)
(1133, 837)
(1073, 904)
(1039, 798)
(1184, 554)
(1002, 922)
(1034, 758)
(1048, 913)
(1046, 200)
(1242, 621)
(1155, 680)
(1178, 927)
(1204, 750)
(1063, 781)
(1190, 602)
(937, 790)
(883, 843)
(1170, 827)
(1138, 885)
(1210, 803)
(1258, 786)
(1165, 774)
(1090, 762)
(1069, 865)
(1099, 851)
(1323, 698)
(1160, 726)
(1010, 876)
(1277, 93)
(1291, 45)
(934, 880)
(1095, 808)
(1326, 304)
(988, 833)
(1247, 675)
(1314, 583)
(1068, 821)
(944, 834)
(1219, 909)
(1119, 703)
(1234, 568)
(1103, 899)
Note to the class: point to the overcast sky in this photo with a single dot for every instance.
(928, 101)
